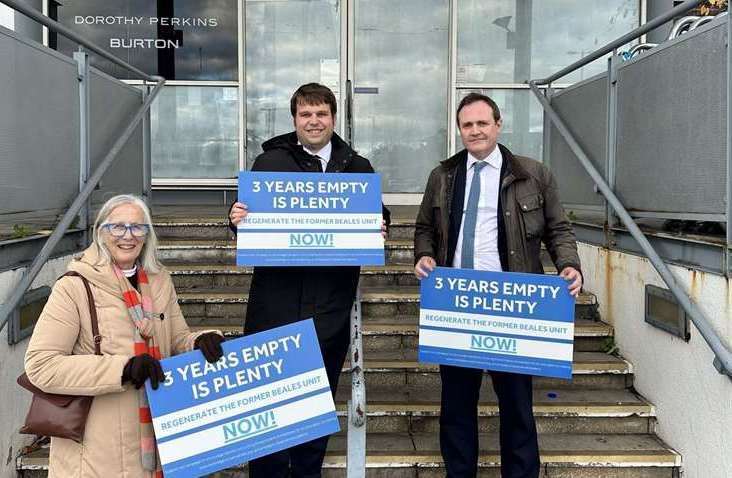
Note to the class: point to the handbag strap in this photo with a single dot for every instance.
(92, 311)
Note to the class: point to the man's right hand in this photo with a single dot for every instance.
(238, 212)
(424, 266)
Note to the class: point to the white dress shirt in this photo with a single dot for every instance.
(486, 256)
(323, 155)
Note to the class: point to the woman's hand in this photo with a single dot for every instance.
(141, 367)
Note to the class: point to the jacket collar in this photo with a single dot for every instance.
(95, 269)
(514, 169)
(340, 158)
(91, 264)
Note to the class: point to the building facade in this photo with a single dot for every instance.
(398, 70)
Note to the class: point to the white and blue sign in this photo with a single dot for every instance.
(310, 219)
(268, 392)
(502, 321)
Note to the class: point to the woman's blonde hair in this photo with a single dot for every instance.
(149, 254)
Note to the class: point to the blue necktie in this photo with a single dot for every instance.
(471, 217)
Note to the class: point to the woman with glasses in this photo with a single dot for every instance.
(139, 323)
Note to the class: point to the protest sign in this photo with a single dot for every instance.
(310, 219)
(503, 321)
(268, 392)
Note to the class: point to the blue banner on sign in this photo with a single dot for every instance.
(268, 392)
(310, 192)
(310, 219)
(503, 321)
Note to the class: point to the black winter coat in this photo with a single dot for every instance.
(282, 295)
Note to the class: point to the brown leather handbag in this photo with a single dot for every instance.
(55, 415)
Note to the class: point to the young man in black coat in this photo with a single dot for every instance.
(282, 295)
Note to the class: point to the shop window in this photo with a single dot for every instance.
(176, 39)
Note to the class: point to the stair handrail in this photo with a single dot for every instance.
(722, 354)
(40, 260)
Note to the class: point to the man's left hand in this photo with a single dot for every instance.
(573, 276)
(383, 228)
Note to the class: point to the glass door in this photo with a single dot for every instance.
(400, 74)
(288, 43)
(396, 57)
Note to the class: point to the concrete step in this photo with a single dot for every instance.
(178, 251)
(417, 455)
(231, 304)
(401, 333)
(575, 456)
(399, 369)
(213, 276)
(417, 410)
(216, 228)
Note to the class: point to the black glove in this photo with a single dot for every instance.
(141, 367)
(210, 344)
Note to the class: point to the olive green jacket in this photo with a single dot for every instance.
(529, 206)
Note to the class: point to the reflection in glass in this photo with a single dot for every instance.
(401, 60)
(7, 17)
(177, 39)
(194, 132)
(522, 117)
(20, 24)
(288, 43)
(514, 41)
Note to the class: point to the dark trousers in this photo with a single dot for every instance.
(459, 423)
(306, 460)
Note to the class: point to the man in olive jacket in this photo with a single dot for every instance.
(283, 295)
(515, 207)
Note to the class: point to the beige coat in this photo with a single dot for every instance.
(60, 359)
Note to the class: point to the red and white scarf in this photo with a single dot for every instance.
(140, 309)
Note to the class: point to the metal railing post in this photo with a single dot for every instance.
(723, 356)
(356, 459)
(546, 140)
(146, 151)
(82, 62)
(612, 129)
